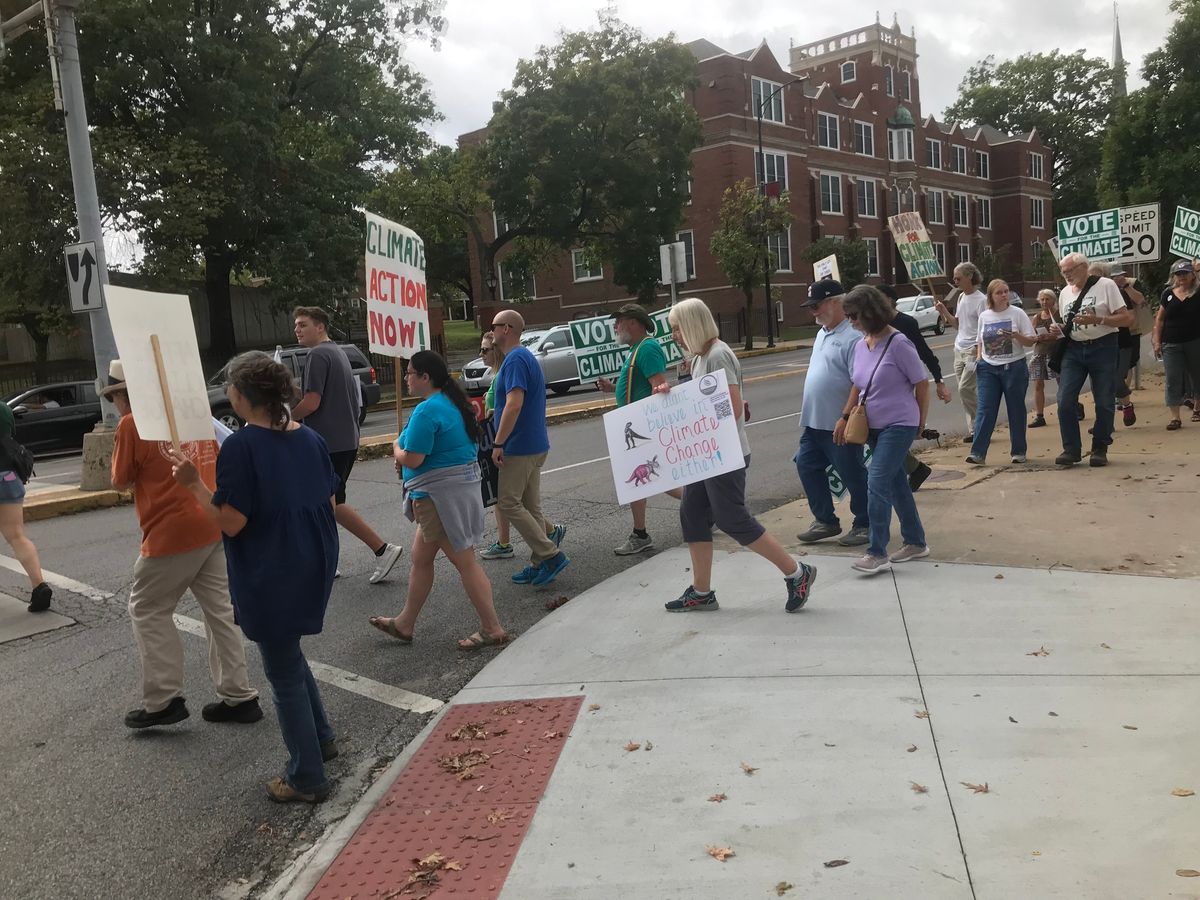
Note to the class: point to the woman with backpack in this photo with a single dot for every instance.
(14, 472)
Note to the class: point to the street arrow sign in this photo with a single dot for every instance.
(83, 277)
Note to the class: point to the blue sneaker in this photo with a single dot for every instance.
(549, 569)
(693, 601)
(798, 587)
(526, 575)
(557, 535)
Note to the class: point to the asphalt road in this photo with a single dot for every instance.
(96, 810)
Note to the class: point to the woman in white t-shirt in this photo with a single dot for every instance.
(1001, 371)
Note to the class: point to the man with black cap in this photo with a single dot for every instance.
(643, 373)
(826, 387)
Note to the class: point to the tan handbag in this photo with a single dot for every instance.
(858, 428)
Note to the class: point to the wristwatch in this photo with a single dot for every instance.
(845, 417)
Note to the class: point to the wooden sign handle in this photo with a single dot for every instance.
(932, 290)
(168, 404)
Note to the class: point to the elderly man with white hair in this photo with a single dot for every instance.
(1092, 310)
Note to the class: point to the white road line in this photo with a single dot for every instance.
(348, 681)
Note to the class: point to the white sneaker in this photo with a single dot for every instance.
(908, 552)
(388, 559)
(871, 564)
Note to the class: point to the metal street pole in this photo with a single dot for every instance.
(762, 190)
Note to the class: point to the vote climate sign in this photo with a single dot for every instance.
(598, 354)
(397, 307)
(1185, 238)
(1096, 235)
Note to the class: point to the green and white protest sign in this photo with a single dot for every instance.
(916, 249)
(598, 353)
(837, 487)
(1097, 235)
(1185, 238)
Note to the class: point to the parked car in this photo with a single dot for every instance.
(294, 358)
(922, 309)
(1014, 299)
(554, 353)
(55, 416)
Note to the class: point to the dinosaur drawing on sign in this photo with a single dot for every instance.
(643, 473)
(632, 437)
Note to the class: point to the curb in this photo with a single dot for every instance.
(69, 501)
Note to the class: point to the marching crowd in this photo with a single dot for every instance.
(249, 524)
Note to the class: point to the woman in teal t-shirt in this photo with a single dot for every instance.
(442, 438)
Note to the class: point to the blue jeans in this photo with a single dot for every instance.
(887, 489)
(301, 715)
(1097, 359)
(1010, 381)
(817, 451)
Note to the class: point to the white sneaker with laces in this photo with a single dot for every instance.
(870, 565)
(908, 553)
(389, 557)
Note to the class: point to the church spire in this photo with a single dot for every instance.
(1118, 57)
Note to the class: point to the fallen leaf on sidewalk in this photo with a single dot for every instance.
(632, 745)
(720, 854)
(749, 770)
(472, 731)
(1106, 647)
(999, 577)
(1014, 721)
(834, 863)
(649, 745)
(1040, 651)
(782, 888)
(1187, 873)
(1130, 727)
(718, 798)
(1052, 714)
(550, 735)
(977, 788)
(1183, 792)
(922, 714)
(500, 815)
(593, 707)
(919, 788)
(912, 748)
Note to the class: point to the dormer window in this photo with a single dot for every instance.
(849, 72)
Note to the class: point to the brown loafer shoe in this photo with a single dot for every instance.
(282, 792)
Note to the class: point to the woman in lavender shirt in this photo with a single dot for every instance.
(894, 385)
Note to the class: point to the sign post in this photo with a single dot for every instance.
(1097, 235)
(83, 277)
(1185, 237)
(598, 353)
(397, 305)
(672, 260)
(916, 249)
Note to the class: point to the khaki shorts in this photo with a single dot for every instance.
(426, 514)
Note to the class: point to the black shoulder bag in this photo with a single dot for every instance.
(1059, 350)
(22, 459)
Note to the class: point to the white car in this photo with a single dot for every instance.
(922, 309)
(554, 353)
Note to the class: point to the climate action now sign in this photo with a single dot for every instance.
(598, 353)
(1096, 235)
(397, 304)
(1185, 239)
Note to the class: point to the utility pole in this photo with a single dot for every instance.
(63, 44)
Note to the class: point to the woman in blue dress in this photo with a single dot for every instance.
(274, 503)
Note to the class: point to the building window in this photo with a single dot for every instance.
(939, 251)
(937, 208)
(985, 212)
(866, 198)
(864, 138)
(983, 164)
(933, 153)
(1037, 212)
(900, 144)
(831, 194)
(689, 251)
(500, 224)
(827, 131)
(872, 255)
(1037, 248)
(959, 202)
(517, 285)
(849, 72)
(1035, 166)
(964, 252)
(958, 159)
(689, 191)
(585, 269)
(776, 168)
(905, 201)
(779, 245)
(760, 90)
(906, 85)
(887, 81)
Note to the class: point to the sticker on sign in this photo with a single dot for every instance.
(1185, 239)
(1096, 235)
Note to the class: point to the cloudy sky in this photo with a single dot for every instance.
(485, 38)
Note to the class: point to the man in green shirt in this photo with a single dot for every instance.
(644, 373)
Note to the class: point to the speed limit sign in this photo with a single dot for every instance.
(1140, 234)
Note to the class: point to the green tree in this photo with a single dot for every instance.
(1067, 97)
(591, 146)
(1152, 150)
(739, 242)
(851, 258)
(254, 130)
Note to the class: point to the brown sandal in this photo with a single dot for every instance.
(1174, 425)
(388, 627)
(479, 640)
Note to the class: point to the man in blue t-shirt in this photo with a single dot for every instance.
(521, 445)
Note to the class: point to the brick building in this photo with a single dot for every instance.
(846, 139)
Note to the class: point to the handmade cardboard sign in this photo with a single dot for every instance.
(397, 305)
(674, 439)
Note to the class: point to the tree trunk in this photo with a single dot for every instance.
(218, 267)
(41, 356)
(749, 318)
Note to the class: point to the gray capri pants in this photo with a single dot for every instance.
(720, 500)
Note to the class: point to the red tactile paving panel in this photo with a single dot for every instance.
(476, 822)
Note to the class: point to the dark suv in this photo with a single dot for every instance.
(293, 358)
